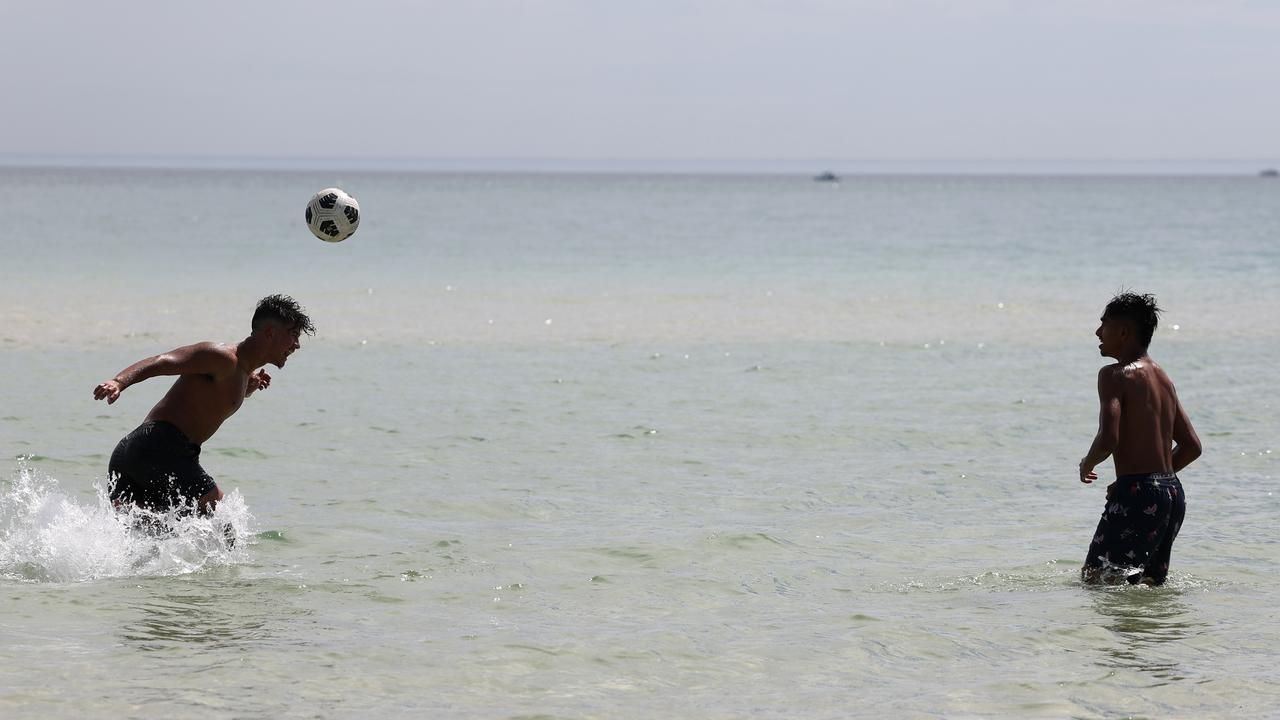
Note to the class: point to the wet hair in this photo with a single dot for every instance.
(284, 310)
(1140, 310)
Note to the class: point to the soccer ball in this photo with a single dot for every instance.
(333, 215)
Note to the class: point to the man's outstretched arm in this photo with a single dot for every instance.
(199, 359)
(1104, 443)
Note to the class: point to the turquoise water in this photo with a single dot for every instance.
(580, 446)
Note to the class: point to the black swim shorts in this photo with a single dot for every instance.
(1139, 524)
(157, 467)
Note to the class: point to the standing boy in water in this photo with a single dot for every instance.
(1149, 436)
(157, 466)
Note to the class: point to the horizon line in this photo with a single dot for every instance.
(553, 165)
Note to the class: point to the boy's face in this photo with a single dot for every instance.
(1112, 333)
(282, 341)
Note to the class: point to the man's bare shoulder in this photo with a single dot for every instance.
(1142, 376)
(211, 357)
(1111, 381)
(1130, 372)
(1113, 373)
(209, 348)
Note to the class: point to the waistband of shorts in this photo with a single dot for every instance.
(1155, 478)
(163, 426)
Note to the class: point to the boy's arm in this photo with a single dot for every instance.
(199, 359)
(1186, 443)
(1109, 390)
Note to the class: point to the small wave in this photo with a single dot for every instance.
(47, 536)
(1053, 575)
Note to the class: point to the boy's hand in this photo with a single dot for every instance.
(1087, 475)
(110, 390)
(257, 381)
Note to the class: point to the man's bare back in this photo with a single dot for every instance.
(210, 388)
(1151, 418)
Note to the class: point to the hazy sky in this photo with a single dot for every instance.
(643, 79)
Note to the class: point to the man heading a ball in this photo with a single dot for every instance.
(157, 466)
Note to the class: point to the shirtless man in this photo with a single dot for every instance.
(157, 466)
(1149, 436)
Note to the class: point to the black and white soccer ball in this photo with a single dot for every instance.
(333, 215)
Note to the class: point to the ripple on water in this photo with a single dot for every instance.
(1054, 575)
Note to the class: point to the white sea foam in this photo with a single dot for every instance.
(48, 536)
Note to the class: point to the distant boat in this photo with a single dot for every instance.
(827, 176)
(1270, 172)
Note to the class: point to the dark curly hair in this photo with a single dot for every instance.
(284, 310)
(1140, 310)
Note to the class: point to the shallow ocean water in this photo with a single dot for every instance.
(575, 446)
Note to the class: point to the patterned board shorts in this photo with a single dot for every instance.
(1139, 524)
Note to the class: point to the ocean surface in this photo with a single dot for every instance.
(605, 446)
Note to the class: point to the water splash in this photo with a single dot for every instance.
(47, 536)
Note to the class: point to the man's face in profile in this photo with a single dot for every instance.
(283, 342)
(1111, 334)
